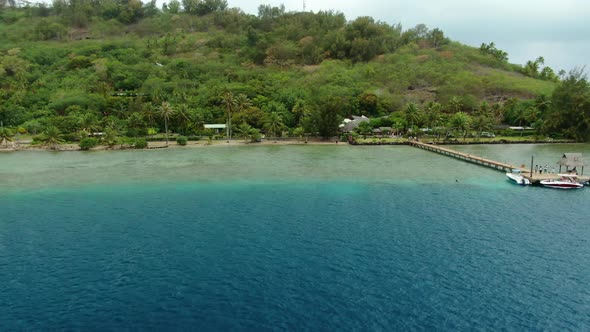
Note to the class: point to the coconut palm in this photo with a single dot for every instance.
(542, 103)
(89, 123)
(531, 114)
(244, 131)
(197, 121)
(481, 123)
(5, 135)
(229, 101)
(182, 117)
(166, 112)
(498, 113)
(274, 125)
(412, 115)
(52, 137)
(242, 103)
(433, 115)
(111, 136)
(460, 122)
(136, 122)
(149, 114)
(454, 105)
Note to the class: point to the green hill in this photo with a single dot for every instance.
(83, 67)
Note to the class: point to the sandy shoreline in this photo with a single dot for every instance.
(25, 146)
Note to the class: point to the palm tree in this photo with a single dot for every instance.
(542, 103)
(460, 123)
(166, 112)
(136, 122)
(89, 123)
(52, 137)
(229, 101)
(481, 123)
(182, 117)
(498, 113)
(454, 105)
(433, 115)
(111, 136)
(412, 114)
(197, 121)
(244, 131)
(531, 114)
(274, 124)
(5, 135)
(243, 103)
(149, 114)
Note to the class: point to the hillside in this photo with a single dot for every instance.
(118, 66)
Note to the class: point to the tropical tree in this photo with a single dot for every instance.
(570, 109)
(531, 114)
(197, 122)
(248, 133)
(149, 114)
(412, 115)
(135, 122)
(5, 135)
(299, 132)
(433, 116)
(497, 113)
(274, 125)
(481, 123)
(243, 130)
(229, 102)
(52, 137)
(166, 112)
(543, 103)
(455, 105)
(182, 117)
(242, 103)
(460, 123)
(111, 136)
(89, 123)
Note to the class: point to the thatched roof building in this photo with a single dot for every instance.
(349, 125)
(572, 161)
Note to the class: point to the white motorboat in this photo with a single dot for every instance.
(566, 181)
(516, 177)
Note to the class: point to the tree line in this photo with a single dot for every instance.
(132, 69)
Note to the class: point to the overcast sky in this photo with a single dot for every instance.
(557, 30)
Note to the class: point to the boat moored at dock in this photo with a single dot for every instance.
(516, 177)
(566, 181)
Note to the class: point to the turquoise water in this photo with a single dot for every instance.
(288, 238)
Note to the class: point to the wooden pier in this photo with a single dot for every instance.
(467, 157)
(534, 178)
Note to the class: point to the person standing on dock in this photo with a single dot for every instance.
(536, 168)
(546, 168)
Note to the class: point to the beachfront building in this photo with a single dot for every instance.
(216, 127)
(572, 162)
(349, 125)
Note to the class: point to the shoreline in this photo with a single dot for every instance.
(26, 146)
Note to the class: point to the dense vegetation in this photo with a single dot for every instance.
(126, 68)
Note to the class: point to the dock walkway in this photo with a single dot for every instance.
(504, 167)
(466, 157)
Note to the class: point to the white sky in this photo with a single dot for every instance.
(558, 30)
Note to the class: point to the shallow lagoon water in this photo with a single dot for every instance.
(289, 237)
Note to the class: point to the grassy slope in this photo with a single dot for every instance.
(411, 74)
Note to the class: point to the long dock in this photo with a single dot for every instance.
(466, 157)
(534, 178)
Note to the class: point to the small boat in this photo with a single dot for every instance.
(566, 181)
(516, 177)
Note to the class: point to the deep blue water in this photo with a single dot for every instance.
(323, 255)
